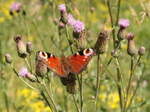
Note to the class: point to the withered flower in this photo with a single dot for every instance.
(141, 51)
(29, 47)
(131, 48)
(41, 66)
(8, 58)
(101, 42)
(21, 47)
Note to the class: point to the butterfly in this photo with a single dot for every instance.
(63, 66)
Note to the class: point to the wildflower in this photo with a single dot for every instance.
(141, 51)
(101, 42)
(8, 58)
(29, 47)
(124, 23)
(78, 26)
(15, 7)
(63, 12)
(113, 100)
(70, 20)
(62, 8)
(21, 47)
(78, 30)
(131, 49)
(102, 97)
(23, 72)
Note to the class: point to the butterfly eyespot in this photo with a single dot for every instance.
(43, 55)
(88, 52)
(76, 54)
(53, 56)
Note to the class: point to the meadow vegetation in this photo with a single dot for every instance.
(117, 76)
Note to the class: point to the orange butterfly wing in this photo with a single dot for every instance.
(78, 63)
(55, 65)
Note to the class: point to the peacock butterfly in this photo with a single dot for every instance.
(63, 66)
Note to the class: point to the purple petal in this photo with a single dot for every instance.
(23, 72)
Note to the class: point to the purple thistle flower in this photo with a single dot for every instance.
(124, 23)
(23, 72)
(130, 36)
(78, 26)
(70, 19)
(16, 6)
(62, 8)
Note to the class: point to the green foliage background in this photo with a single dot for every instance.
(38, 27)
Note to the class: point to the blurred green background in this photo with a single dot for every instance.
(38, 26)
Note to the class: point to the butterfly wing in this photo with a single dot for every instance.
(79, 61)
(54, 64)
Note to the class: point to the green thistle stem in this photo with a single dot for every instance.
(42, 93)
(118, 11)
(74, 100)
(129, 84)
(119, 87)
(6, 101)
(112, 23)
(68, 38)
(97, 81)
(47, 92)
(27, 63)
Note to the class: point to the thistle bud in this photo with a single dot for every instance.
(131, 49)
(101, 42)
(29, 47)
(21, 47)
(61, 25)
(130, 36)
(41, 66)
(31, 77)
(8, 58)
(63, 12)
(141, 51)
(79, 35)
